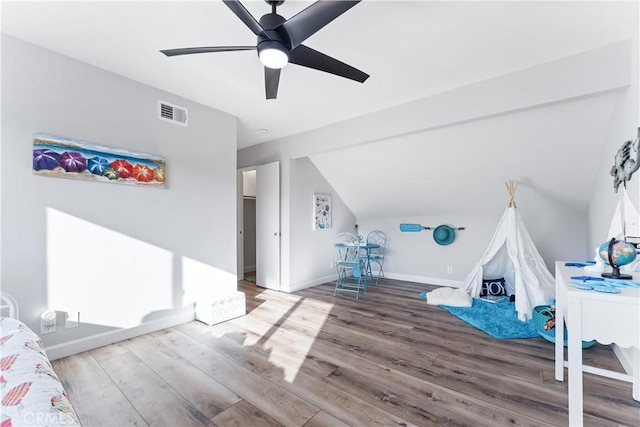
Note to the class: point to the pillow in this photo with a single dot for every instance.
(493, 287)
(454, 297)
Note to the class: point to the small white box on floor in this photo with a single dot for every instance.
(221, 308)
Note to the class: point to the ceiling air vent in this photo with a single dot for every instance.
(172, 113)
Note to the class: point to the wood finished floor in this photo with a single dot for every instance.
(309, 359)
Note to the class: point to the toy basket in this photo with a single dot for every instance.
(540, 315)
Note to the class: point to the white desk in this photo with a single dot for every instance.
(591, 315)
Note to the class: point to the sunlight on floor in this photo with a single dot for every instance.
(291, 359)
(285, 351)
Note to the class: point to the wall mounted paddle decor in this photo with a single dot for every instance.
(442, 234)
(65, 158)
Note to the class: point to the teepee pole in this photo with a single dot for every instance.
(511, 190)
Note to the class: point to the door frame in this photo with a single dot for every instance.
(240, 223)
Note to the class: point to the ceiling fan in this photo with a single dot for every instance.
(280, 41)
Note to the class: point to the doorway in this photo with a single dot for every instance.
(249, 225)
(259, 227)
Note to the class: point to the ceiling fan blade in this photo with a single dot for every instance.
(307, 57)
(271, 81)
(244, 15)
(190, 50)
(306, 23)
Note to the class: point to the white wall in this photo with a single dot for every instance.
(312, 254)
(418, 258)
(445, 158)
(305, 254)
(127, 258)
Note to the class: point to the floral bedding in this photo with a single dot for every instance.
(32, 394)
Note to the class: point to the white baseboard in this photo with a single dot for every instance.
(395, 276)
(311, 283)
(89, 343)
(425, 280)
(249, 268)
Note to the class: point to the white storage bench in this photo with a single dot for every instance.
(220, 308)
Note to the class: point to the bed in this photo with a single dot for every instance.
(32, 394)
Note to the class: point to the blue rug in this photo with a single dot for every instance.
(500, 320)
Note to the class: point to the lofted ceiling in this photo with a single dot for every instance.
(429, 62)
(553, 152)
(411, 49)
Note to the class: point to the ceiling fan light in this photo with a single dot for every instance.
(273, 55)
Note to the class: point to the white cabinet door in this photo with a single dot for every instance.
(268, 226)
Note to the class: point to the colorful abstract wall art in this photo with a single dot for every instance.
(321, 212)
(65, 158)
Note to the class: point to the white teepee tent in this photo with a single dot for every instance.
(512, 255)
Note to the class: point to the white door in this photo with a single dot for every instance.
(268, 226)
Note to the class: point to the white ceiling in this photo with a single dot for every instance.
(424, 58)
(411, 49)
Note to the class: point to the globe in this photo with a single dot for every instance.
(617, 253)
